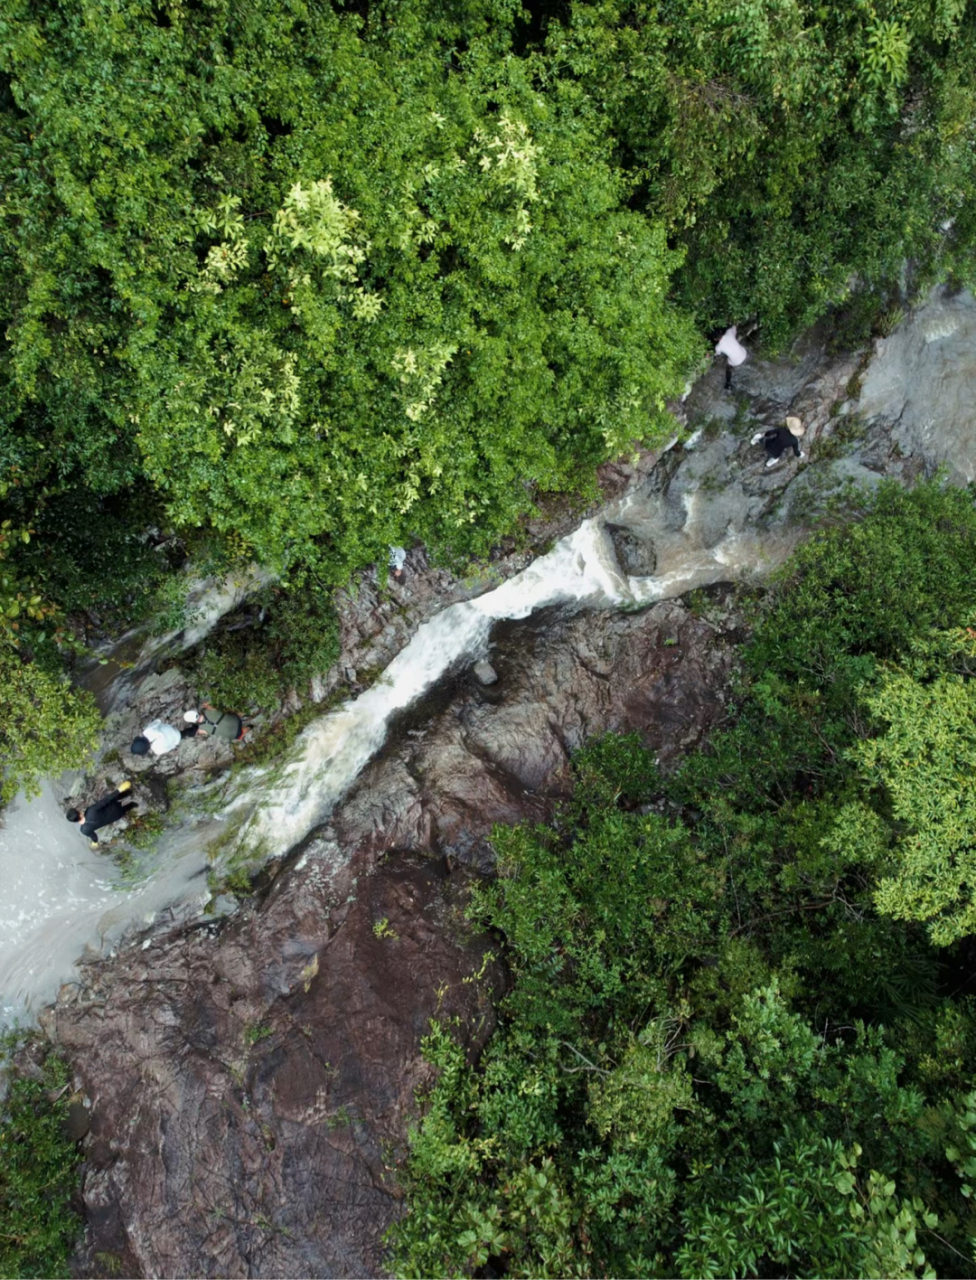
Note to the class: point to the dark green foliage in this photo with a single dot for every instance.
(94, 555)
(853, 597)
(793, 147)
(38, 1175)
(716, 1058)
(277, 642)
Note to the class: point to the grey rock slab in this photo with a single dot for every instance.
(921, 379)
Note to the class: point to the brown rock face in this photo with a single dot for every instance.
(250, 1091)
(501, 754)
(252, 1085)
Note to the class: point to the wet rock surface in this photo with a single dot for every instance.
(921, 378)
(501, 755)
(250, 1086)
(248, 1083)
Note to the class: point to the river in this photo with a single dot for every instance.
(61, 899)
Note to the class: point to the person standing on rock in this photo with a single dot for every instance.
(158, 737)
(398, 558)
(211, 723)
(778, 439)
(733, 350)
(102, 813)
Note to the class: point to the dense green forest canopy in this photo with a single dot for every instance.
(322, 278)
(741, 1034)
(304, 279)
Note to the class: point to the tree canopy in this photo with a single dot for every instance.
(320, 279)
(730, 1047)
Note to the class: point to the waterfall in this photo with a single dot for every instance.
(581, 570)
(60, 897)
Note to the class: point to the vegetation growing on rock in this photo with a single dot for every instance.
(732, 1047)
(38, 1172)
(312, 280)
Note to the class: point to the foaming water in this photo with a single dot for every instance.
(61, 899)
(332, 751)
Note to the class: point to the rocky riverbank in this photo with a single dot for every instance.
(251, 1081)
(251, 1084)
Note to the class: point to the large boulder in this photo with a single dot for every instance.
(921, 380)
(501, 754)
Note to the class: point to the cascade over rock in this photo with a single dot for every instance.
(249, 1083)
(249, 1079)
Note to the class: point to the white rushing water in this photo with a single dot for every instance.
(60, 898)
(332, 751)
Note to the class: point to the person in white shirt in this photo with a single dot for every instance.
(733, 350)
(158, 737)
(398, 558)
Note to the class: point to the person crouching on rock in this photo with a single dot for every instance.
(158, 737)
(211, 723)
(778, 439)
(102, 813)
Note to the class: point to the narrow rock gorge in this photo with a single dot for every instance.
(251, 1079)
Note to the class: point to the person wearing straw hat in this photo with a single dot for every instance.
(778, 439)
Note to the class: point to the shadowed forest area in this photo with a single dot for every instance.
(286, 283)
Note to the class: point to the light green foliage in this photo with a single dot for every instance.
(337, 296)
(886, 52)
(46, 726)
(926, 763)
(637, 1099)
(38, 1175)
(806, 1212)
(717, 1055)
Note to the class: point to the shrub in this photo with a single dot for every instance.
(277, 641)
(38, 1174)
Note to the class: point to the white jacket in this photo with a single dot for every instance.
(162, 737)
(730, 347)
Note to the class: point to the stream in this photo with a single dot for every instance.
(709, 522)
(62, 898)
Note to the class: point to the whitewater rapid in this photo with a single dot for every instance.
(61, 900)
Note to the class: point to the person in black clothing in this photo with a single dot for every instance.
(778, 439)
(102, 813)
